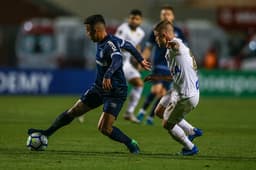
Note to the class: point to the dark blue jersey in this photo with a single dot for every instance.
(179, 34)
(158, 58)
(109, 60)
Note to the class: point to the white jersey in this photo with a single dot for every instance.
(126, 33)
(183, 69)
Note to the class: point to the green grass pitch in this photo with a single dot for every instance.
(229, 140)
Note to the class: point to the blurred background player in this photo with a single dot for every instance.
(159, 65)
(132, 32)
(184, 95)
(109, 88)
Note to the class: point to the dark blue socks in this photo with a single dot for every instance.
(62, 120)
(152, 113)
(119, 136)
(149, 99)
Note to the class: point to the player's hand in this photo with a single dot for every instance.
(106, 84)
(145, 64)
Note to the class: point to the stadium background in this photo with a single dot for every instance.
(46, 62)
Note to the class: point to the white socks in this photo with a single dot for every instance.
(179, 135)
(187, 127)
(134, 98)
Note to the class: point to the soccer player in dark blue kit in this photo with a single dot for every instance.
(109, 89)
(159, 65)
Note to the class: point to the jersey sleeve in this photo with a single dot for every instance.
(179, 33)
(131, 49)
(116, 57)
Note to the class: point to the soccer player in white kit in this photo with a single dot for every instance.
(184, 96)
(132, 32)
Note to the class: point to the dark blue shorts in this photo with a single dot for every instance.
(162, 70)
(112, 100)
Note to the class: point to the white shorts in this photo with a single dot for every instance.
(129, 71)
(176, 106)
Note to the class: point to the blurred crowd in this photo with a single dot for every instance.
(45, 42)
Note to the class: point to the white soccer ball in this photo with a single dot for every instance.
(37, 142)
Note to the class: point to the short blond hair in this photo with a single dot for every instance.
(162, 25)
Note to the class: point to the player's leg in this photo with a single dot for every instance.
(132, 75)
(82, 106)
(150, 98)
(135, 93)
(159, 90)
(111, 110)
(150, 117)
(190, 130)
(177, 132)
(173, 113)
(162, 105)
(187, 127)
(179, 135)
(64, 118)
(92, 99)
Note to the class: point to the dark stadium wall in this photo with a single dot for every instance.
(12, 14)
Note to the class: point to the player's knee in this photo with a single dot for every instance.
(159, 111)
(105, 130)
(78, 109)
(158, 93)
(163, 92)
(157, 90)
(167, 125)
(140, 83)
(136, 82)
(159, 114)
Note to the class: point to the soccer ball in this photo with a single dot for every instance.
(37, 142)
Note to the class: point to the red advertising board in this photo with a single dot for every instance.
(237, 17)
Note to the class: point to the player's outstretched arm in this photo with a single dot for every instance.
(158, 78)
(131, 49)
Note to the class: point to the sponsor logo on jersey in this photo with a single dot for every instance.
(112, 45)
